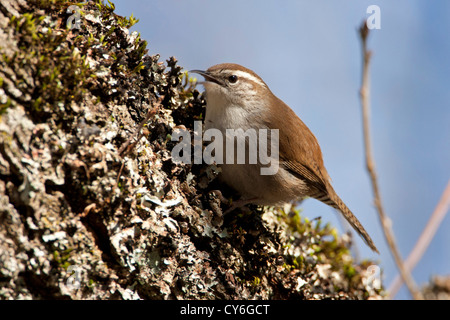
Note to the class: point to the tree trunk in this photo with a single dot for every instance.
(92, 206)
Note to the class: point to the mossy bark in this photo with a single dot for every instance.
(82, 217)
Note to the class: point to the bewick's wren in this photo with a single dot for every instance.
(237, 98)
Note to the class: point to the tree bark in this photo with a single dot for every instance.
(92, 205)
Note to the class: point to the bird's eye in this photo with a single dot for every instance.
(233, 78)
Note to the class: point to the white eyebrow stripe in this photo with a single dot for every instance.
(248, 76)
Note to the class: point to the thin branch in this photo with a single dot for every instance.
(425, 238)
(384, 220)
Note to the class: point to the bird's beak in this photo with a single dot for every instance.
(208, 76)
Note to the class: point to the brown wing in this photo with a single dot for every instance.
(300, 154)
(298, 147)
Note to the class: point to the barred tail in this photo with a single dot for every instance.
(333, 200)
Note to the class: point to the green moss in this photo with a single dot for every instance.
(91, 283)
(139, 67)
(127, 22)
(56, 59)
(111, 6)
(256, 281)
(325, 244)
(60, 74)
(5, 106)
(62, 258)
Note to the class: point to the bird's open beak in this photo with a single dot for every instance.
(207, 76)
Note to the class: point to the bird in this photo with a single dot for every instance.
(238, 99)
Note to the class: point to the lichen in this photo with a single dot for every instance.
(93, 208)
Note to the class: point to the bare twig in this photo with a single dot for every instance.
(384, 220)
(425, 238)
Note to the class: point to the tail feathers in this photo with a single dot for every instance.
(333, 200)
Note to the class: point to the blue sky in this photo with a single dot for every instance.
(309, 54)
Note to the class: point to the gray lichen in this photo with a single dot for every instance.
(82, 220)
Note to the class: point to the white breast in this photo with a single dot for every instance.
(222, 114)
